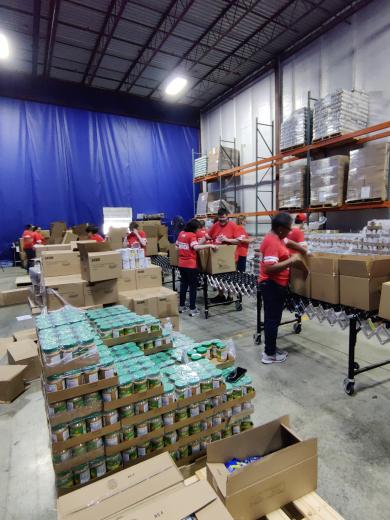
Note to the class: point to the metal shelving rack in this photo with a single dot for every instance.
(259, 183)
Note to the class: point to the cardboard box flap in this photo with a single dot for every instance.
(365, 266)
(92, 247)
(22, 350)
(181, 503)
(221, 451)
(115, 494)
(324, 264)
(272, 463)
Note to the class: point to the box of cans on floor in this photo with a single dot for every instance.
(128, 406)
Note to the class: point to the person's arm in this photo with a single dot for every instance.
(142, 240)
(202, 240)
(232, 241)
(199, 247)
(247, 240)
(297, 247)
(280, 266)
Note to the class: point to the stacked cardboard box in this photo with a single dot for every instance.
(294, 130)
(342, 112)
(328, 180)
(292, 185)
(369, 173)
(156, 234)
(222, 158)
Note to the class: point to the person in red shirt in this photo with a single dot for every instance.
(93, 234)
(28, 244)
(201, 233)
(243, 246)
(39, 239)
(274, 279)
(296, 234)
(223, 231)
(187, 244)
(136, 237)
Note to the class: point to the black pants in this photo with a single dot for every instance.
(241, 264)
(30, 253)
(274, 297)
(189, 279)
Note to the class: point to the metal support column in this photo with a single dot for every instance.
(259, 180)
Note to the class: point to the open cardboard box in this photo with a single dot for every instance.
(288, 469)
(25, 352)
(111, 497)
(219, 261)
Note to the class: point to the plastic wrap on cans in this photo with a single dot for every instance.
(341, 112)
(200, 166)
(134, 258)
(368, 173)
(291, 185)
(294, 129)
(327, 180)
(222, 158)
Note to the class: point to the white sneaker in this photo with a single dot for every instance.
(183, 309)
(282, 352)
(194, 312)
(277, 358)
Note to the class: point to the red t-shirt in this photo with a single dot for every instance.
(187, 254)
(273, 251)
(28, 239)
(96, 237)
(132, 239)
(201, 233)
(296, 235)
(229, 230)
(38, 238)
(242, 249)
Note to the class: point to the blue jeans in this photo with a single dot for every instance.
(241, 264)
(274, 297)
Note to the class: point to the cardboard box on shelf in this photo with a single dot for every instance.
(151, 247)
(100, 293)
(384, 304)
(127, 280)
(60, 263)
(15, 297)
(99, 262)
(287, 471)
(71, 288)
(173, 255)
(11, 382)
(25, 334)
(25, 352)
(219, 261)
(197, 499)
(167, 303)
(51, 248)
(362, 293)
(116, 494)
(149, 277)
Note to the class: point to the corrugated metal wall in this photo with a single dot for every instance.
(353, 55)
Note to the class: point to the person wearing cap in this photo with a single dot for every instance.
(296, 234)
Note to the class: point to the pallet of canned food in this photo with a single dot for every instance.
(126, 406)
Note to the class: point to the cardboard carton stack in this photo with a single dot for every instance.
(328, 180)
(222, 158)
(292, 185)
(294, 129)
(369, 173)
(342, 112)
(353, 281)
(110, 406)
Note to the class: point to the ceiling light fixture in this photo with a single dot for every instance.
(4, 49)
(175, 86)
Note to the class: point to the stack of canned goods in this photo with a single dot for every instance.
(213, 349)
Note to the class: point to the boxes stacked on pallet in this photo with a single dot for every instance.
(294, 129)
(200, 166)
(109, 405)
(292, 185)
(222, 158)
(328, 180)
(342, 112)
(368, 173)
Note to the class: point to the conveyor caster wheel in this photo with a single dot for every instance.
(297, 328)
(238, 306)
(257, 339)
(349, 387)
(356, 366)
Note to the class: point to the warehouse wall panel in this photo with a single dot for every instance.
(66, 164)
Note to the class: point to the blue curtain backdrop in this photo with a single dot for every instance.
(60, 163)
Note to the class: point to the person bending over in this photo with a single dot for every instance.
(93, 234)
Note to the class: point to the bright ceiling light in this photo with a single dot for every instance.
(175, 86)
(4, 49)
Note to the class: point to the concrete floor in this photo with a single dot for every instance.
(353, 432)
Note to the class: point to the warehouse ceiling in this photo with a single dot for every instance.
(136, 46)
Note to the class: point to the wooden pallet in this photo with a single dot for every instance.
(364, 201)
(331, 136)
(308, 507)
(290, 208)
(292, 148)
(327, 205)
